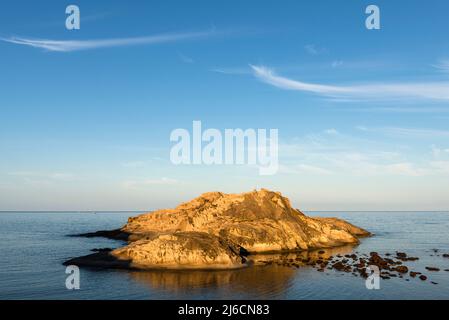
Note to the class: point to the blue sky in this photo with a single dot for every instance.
(362, 114)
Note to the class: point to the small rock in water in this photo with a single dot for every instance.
(423, 277)
(414, 274)
(432, 269)
(401, 254)
(412, 258)
(401, 269)
(446, 255)
(339, 266)
(433, 282)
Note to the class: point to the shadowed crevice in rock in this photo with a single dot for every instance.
(218, 230)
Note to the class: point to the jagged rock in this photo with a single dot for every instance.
(259, 221)
(216, 230)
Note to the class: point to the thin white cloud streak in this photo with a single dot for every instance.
(150, 182)
(399, 110)
(407, 132)
(303, 169)
(337, 63)
(78, 45)
(231, 71)
(431, 90)
(185, 58)
(62, 176)
(443, 66)
(43, 179)
(134, 164)
(314, 50)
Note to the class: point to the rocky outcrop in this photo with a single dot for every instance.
(218, 230)
(190, 250)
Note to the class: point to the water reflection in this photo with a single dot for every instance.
(300, 256)
(269, 276)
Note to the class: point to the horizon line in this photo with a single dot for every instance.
(122, 211)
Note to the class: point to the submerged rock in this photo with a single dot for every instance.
(218, 230)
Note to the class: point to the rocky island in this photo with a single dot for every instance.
(219, 231)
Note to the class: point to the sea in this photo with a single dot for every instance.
(35, 244)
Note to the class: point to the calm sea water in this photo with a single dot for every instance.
(34, 245)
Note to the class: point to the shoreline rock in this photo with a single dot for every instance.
(218, 230)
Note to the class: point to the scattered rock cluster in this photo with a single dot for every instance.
(390, 266)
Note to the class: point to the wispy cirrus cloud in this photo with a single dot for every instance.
(443, 66)
(78, 45)
(392, 91)
(407, 132)
(185, 58)
(423, 109)
(134, 164)
(314, 49)
(38, 178)
(61, 176)
(133, 184)
(231, 71)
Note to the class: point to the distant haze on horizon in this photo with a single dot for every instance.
(86, 115)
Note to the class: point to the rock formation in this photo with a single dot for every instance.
(218, 230)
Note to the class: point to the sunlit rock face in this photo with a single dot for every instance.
(218, 230)
(186, 250)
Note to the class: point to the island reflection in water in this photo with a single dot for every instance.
(268, 280)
